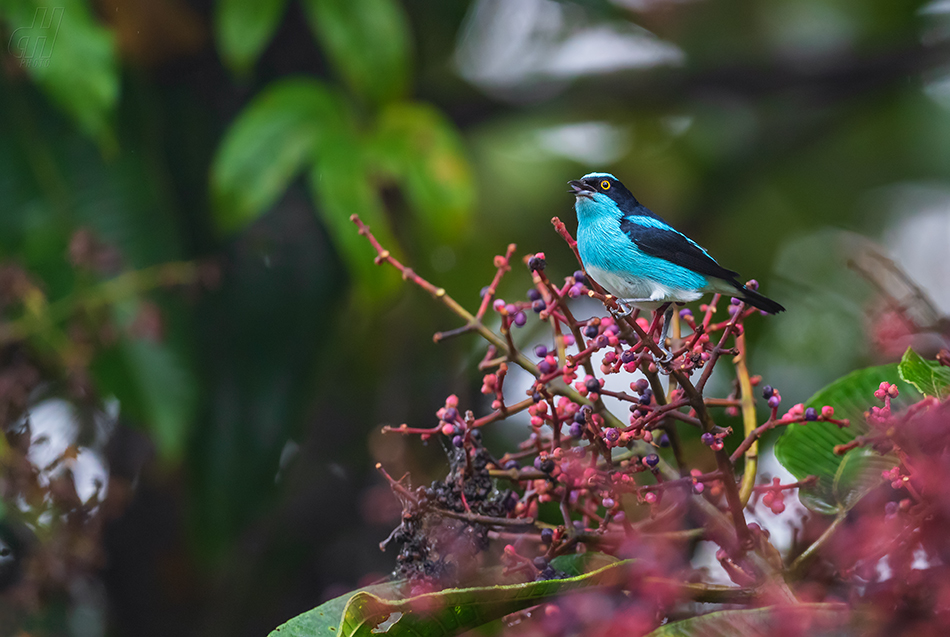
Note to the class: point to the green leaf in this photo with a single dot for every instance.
(366, 41)
(243, 28)
(579, 563)
(155, 389)
(269, 144)
(418, 146)
(807, 619)
(341, 185)
(442, 614)
(325, 618)
(70, 55)
(929, 377)
(808, 448)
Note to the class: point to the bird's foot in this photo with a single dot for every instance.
(624, 309)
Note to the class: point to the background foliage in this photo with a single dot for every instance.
(242, 134)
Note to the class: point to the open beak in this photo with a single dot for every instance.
(580, 189)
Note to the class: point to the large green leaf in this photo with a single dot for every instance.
(929, 377)
(367, 41)
(442, 614)
(69, 54)
(271, 142)
(808, 448)
(243, 28)
(417, 145)
(803, 619)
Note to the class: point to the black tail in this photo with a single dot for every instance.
(755, 299)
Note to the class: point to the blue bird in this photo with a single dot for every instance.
(640, 259)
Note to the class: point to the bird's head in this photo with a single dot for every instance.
(602, 191)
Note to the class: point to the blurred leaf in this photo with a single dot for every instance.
(422, 150)
(580, 563)
(808, 448)
(929, 377)
(243, 28)
(268, 145)
(807, 619)
(367, 41)
(70, 56)
(341, 185)
(154, 388)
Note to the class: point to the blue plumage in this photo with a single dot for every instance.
(638, 257)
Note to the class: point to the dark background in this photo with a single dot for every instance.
(784, 136)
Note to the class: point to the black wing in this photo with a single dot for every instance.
(657, 239)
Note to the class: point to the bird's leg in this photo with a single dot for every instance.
(665, 332)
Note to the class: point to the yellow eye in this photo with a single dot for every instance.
(605, 185)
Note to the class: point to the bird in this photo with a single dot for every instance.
(642, 260)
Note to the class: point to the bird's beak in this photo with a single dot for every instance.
(580, 189)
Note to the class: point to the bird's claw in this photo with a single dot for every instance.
(623, 310)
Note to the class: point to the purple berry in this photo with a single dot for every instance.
(545, 367)
(450, 414)
(458, 441)
(592, 384)
(609, 503)
(811, 414)
(774, 401)
(536, 264)
(575, 290)
(627, 356)
(708, 439)
(685, 312)
(512, 464)
(590, 331)
(652, 460)
(540, 563)
(575, 430)
(547, 536)
(612, 434)
(540, 351)
(547, 465)
(767, 392)
(663, 442)
(483, 291)
(534, 295)
(735, 301)
(520, 319)
(579, 277)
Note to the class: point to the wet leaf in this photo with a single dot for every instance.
(808, 448)
(929, 377)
